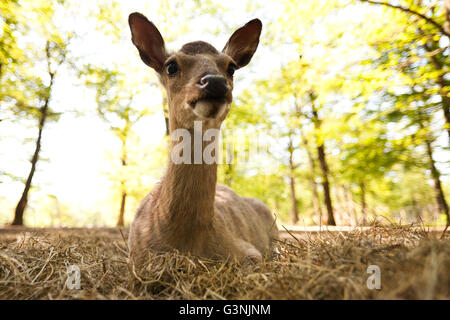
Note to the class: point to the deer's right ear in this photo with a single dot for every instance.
(243, 43)
(148, 40)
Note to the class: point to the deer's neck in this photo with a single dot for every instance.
(188, 190)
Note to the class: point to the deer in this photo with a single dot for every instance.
(188, 210)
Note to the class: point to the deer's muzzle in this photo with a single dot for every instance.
(214, 86)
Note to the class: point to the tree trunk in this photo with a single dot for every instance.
(326, 185)
(277, 205)
(43, 114)
(294, 209)
(228, 161)
(316, 199)
(440, 197)
(166, 114)
(416, 210)
(325, 172)
(22, 204)
(120, 221)
(362, 188)
(447, 16)
(228, 174)
(349, 201)
(312, 166)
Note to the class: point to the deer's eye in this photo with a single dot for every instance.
(231, 69)
(172, 68)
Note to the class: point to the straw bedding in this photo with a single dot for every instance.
(414, 264)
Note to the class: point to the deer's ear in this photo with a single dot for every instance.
(243, 43)
(148, 40)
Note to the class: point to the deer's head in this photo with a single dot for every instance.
(198, 78)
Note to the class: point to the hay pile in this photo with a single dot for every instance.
(414, 264)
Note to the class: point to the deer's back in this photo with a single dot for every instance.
(245, 218)
(236, 219)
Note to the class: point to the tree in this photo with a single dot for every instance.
(312, 175)
(435, 174)
(432, 24)
(115, 105)
(322, 161)
(292, 167)
(420, 61)
(55, 55)
(31, 93)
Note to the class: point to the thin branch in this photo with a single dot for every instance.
(418, 14)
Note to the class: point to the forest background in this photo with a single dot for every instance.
(348, 101)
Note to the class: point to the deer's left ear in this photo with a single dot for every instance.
(243, 43)
(148, 40)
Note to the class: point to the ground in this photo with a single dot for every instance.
(414, 263)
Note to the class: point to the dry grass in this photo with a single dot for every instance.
(414, 264)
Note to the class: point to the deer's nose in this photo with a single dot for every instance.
(215, 86)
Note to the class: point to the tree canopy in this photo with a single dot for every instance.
(343, 113)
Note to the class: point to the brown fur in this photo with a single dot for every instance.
(198, 47)
(188, 210)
